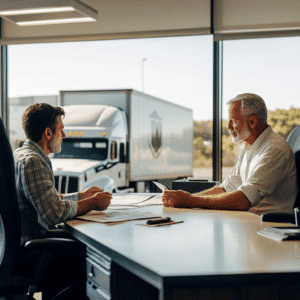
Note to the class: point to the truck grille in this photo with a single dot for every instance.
(66, 184)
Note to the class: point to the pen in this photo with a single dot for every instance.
(158, 221)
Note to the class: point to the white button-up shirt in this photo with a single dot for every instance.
(266, 174)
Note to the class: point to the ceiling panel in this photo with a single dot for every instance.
(121, 19)
(256, 18)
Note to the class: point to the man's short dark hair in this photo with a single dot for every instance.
(37, 117)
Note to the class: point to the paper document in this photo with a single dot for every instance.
(110, 216)
(129, 199)
(160, 186)
(153, 200)
(134, 200)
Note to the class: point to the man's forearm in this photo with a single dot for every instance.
(216, 190)
(85, 206)
(231, 201)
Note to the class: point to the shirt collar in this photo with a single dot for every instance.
(37, 148)
(261, 138)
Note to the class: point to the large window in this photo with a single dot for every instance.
(269, 68)
(176, 69)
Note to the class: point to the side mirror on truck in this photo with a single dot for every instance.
(122, 153)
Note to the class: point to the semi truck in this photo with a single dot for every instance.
(122, 140)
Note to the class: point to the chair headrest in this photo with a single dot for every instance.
(294, 139)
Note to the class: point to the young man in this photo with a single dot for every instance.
(263, 179)
(41, 207)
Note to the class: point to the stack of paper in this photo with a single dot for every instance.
(281, 233)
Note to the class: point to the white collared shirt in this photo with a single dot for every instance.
(266, 174)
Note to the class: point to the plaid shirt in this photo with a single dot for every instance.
(40, 205)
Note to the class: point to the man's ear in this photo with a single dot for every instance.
(252, 121)
(48, 133)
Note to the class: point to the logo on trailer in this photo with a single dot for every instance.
(156, 134)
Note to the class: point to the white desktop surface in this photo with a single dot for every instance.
(207, 243)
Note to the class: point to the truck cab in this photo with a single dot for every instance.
(94, 150)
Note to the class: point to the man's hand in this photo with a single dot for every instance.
(98, 201)
(177, 198)
(102, 200)
(90, 192)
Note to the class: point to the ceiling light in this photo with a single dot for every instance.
(43, 12)
(58, 21)
(35, 11)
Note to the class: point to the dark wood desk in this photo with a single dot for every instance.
(212, 255)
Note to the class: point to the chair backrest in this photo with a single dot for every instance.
(10, 227)
(294, 141)
(297, 159)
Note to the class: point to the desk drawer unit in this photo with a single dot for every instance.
(98, 275)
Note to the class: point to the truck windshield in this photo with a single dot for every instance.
(95, 149)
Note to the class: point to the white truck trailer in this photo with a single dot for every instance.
(121, 139)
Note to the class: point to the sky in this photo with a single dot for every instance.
(177, 69)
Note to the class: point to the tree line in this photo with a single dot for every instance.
(282, 122)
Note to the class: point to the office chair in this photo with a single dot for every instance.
(294, 141)
(13, 286)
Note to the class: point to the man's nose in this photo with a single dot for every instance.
(63, 135)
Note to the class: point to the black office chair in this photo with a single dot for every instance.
(13, 286)
(294, 141)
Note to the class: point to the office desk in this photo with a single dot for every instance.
(212, 255)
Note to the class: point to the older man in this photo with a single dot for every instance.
(264, 177)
